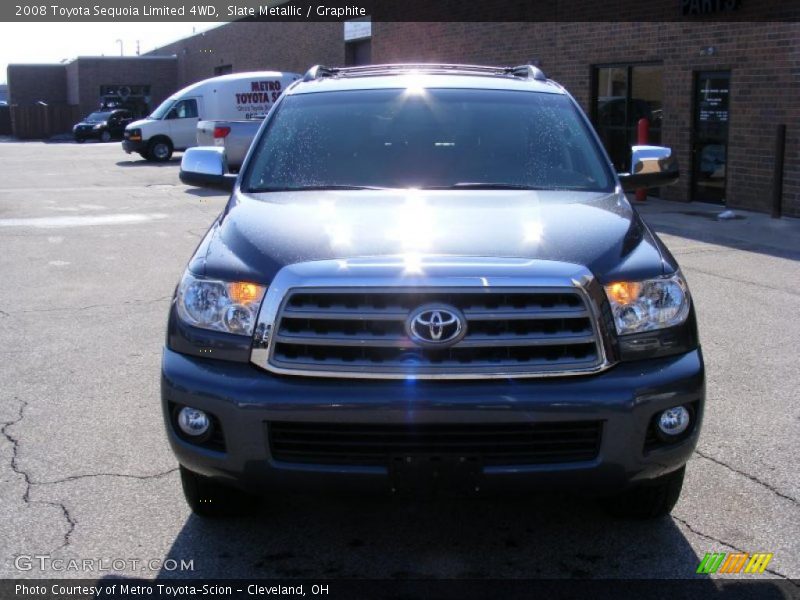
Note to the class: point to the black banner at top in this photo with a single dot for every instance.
(396, 10)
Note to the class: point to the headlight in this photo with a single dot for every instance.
(651, 304)
(99, 126)
(229, 306)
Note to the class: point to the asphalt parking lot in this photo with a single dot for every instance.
(92, 244)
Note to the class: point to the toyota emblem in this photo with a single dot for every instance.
(436, 325)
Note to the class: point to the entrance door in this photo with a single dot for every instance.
(624, 94)
(710, 140)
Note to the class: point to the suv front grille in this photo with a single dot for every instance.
(490, 443)
(362, 333)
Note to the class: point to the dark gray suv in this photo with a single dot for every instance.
(428, 276)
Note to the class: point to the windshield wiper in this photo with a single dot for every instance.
(489, 185)
(307, 188)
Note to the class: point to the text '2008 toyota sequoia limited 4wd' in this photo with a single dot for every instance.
(429, 276)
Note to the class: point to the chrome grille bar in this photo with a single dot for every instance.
(314, 323)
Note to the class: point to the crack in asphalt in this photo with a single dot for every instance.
(696, 531)
(91, 306)
(71, 522)
(752, 478)
(29, 482)
(91, 475)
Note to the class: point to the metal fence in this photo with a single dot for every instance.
(5, 120)
(41, 121)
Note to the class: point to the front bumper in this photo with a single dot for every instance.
(131, 146)
(243, 397)
(87, 134)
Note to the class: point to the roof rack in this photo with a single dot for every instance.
(520, 71)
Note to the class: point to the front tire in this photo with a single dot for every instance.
(159, 150)
(649, 500)
(208, 498)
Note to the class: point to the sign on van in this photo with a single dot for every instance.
(257, 102)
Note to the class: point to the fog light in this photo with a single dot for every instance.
(193, 422)
(674, 421)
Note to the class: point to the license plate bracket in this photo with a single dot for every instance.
(417, 473)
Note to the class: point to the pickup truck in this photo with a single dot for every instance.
(234, 137)
(429, 277)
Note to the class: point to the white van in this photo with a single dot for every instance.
(173, 125)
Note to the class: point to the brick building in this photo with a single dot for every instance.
(29, 84)
(713, 90)
(138, 80)
(143, 82)
(238, 47)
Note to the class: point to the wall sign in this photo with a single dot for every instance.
(712, 100)
(695, 8)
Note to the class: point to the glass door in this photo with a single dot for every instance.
(710, 136)
(624, 94)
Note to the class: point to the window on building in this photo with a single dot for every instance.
(358, 42)
(358, 52)
(223, 70)
(624, 94)
(132, 97)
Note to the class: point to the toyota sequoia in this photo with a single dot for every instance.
(429, 277)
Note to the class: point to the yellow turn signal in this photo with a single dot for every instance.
(241, 292)
(624, 292)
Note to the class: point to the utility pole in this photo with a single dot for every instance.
(120, 48)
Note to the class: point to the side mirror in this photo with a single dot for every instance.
(205, 166)
(651, 166)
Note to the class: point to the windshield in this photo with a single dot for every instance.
(430, 138)
(162, 109)
(98, 117)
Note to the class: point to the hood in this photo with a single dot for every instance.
(259, 234)
(139, 123)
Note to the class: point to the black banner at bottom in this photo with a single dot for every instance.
(111, 588)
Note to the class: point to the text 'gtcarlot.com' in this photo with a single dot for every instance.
(43, 562)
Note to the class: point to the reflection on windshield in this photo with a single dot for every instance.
(98, 117)
(428, 139)
(162, 109)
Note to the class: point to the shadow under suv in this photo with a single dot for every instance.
(429, 275)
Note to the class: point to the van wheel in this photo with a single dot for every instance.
(105, 136)
(159, 150)
(207, 498)
(648, 500)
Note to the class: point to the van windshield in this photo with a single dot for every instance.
(429, 138)
(162, 109)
